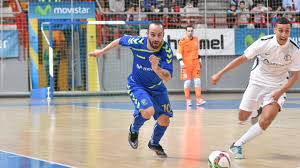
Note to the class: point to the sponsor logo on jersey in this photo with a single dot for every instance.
(266, 61)
(143, 68)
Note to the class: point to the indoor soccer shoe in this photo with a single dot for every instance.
(255, 118)
(236, 151)
(133, 138)
(188, 103)
(158, 150)
(200, 102)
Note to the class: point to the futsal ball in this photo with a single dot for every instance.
(219, 159)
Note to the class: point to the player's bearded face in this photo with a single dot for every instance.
(154, 43)
(155, 36)
(282, 32)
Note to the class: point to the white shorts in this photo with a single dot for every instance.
(257, 95)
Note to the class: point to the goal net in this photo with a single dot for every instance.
(65, 65)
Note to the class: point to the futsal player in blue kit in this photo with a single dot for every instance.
(152, 64)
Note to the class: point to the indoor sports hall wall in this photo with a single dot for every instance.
(219, 46)
(13, 50)
(24, 43)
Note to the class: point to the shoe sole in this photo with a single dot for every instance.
(201, 103)
(161, 156)
(132, 146)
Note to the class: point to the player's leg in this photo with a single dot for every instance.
(187, 84)
(140, 116)
(281, 101)
(162, 115)
(197, 82)
(269, 113)
(186, 76)
(236, 147)
(270, 108)
(160, 128)
(144, 110)
(251, 101)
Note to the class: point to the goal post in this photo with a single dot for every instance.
(61, 77)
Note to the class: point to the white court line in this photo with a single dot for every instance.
(37, 159)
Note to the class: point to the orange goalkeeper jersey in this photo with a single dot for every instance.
(188, 49)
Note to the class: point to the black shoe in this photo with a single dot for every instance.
(133, 138)
(158, 150)
(255, 119)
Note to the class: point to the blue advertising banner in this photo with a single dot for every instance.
(61, 10)
(245, 37)
(9, 45)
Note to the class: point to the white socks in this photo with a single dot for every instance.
(253, 131)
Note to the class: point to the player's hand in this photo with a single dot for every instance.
(215, 78)
(276, 95)
(96, 53)
(182, 66)
(200, 62)
(154, 60)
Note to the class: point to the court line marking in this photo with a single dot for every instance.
(51, 162)
(177, 104)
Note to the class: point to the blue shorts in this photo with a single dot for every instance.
(143, 98)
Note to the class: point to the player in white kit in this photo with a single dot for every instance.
(273, 73)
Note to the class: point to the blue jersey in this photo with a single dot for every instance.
(142, 73)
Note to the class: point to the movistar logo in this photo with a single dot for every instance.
(249, 40)
(40, 11)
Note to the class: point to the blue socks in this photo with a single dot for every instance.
(138, 122)
(158, 133)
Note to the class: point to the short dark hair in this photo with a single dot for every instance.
(282, 20)
(188, 27)
(156, 23)
(242, 2)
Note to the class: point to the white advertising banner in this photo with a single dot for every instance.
(211, 41)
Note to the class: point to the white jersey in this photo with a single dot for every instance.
(273, 61)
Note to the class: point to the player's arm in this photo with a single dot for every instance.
(179, 57)
(199, 58)
(232, 65)
(179, 54)
(99, 52)
(162, 73)
(292, 80)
